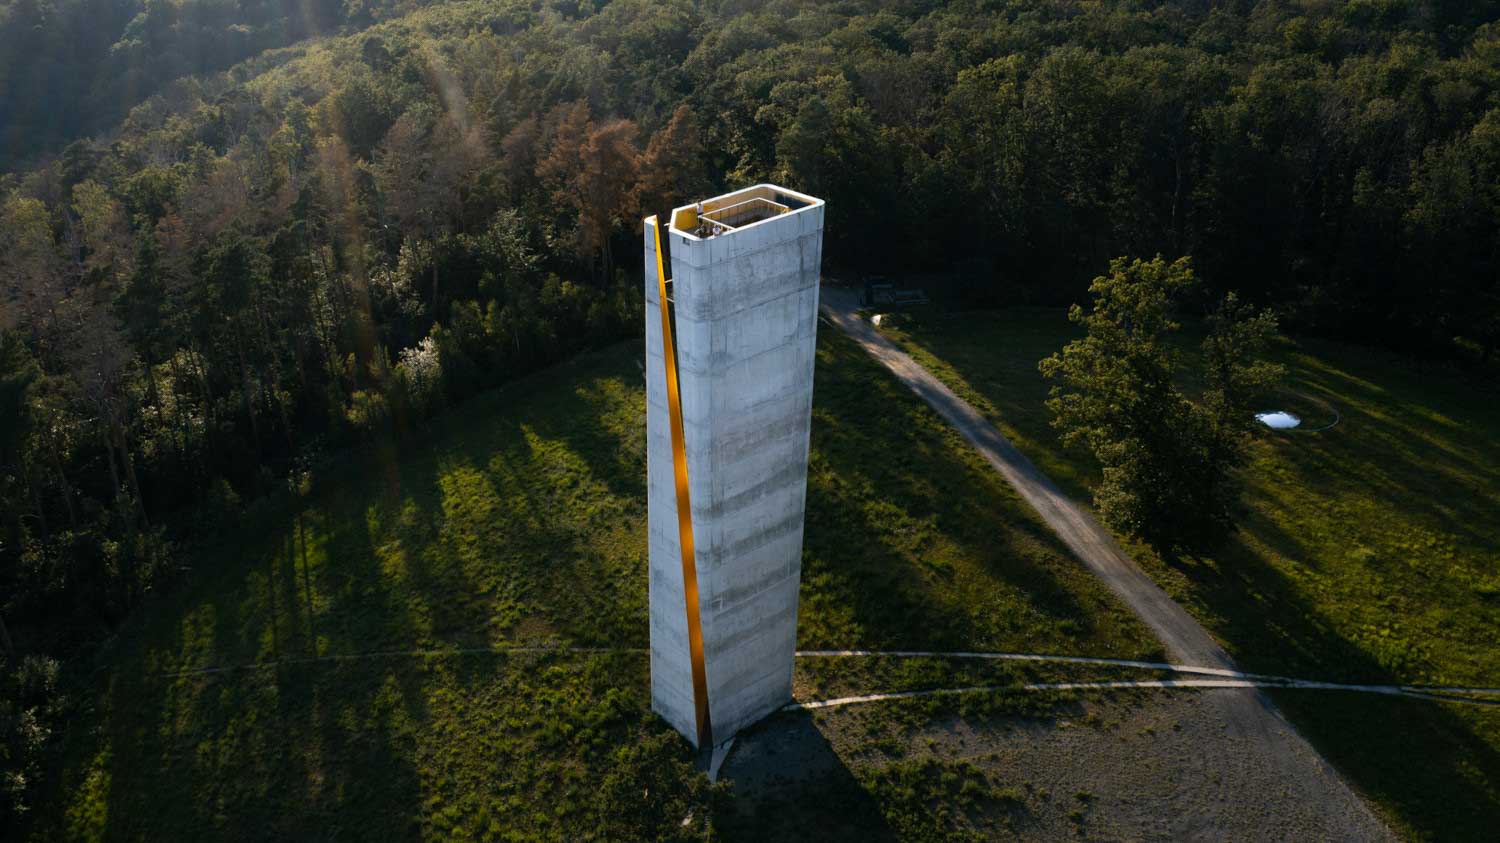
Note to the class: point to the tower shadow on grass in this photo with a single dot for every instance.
(790, 784)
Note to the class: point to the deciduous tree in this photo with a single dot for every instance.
(1166, 460)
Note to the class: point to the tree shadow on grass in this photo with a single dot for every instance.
(317, 749)
(387, 552)
(550, 502)
(286, 751)
(1434, 764)
(1398, 449)
(310, 751)
(537, 542)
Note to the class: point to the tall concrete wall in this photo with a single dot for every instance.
(745, 331)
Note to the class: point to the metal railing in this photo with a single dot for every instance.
(741, 214)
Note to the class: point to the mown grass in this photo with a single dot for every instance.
(1369, 552)
(519, 519)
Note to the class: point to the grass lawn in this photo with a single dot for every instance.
(519, 519)
(1369, 552)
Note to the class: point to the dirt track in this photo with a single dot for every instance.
(1253, 751)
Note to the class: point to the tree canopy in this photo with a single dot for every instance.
(1166, 458)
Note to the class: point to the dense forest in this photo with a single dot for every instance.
(231, 252)
(76, 67)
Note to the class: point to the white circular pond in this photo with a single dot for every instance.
(1278, 420)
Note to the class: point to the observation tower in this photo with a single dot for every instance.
(731, 335)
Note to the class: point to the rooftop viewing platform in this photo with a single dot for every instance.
(731, 212)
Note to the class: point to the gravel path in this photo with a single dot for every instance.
(1153, 765)
(1266, 758)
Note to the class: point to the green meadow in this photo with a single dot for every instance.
(1367, 552)
(335, 665)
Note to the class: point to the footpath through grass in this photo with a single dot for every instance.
(517, 519)
(1369, 552)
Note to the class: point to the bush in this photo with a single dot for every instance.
(368, 411)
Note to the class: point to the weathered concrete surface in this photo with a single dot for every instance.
(1259, 733)
(746, 305)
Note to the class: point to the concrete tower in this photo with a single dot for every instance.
(729, 379)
